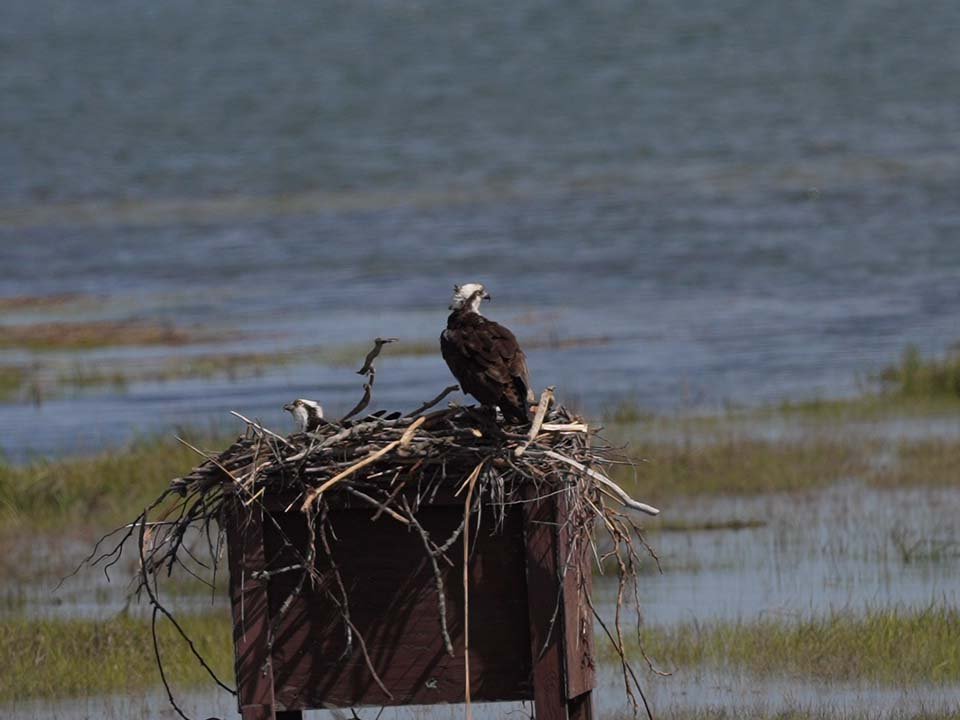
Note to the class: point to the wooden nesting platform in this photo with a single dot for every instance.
(530, 629)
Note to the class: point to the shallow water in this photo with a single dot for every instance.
(746, 696)
(751, 203)
(688, 692)
(827, 549)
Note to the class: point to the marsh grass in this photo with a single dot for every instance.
(232, 366)
(916, 388)
(731, 462)
(13, 379)
(731, 525)
(889, 646)
(627, 412)
(111, 487)
(865, 407)
(46, 658)
(51, 336)
(918, 376)
(735, 466)
(928, 461)
(41, 303)
(912, 546)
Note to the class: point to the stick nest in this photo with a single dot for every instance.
(392, 463)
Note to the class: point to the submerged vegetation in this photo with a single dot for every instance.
(47, 658)
(12, 381)
(49, 336)
(888, 646)
(46, 378)
(43, 303)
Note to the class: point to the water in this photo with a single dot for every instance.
(826, 550)
(749, 201)
(743, 697)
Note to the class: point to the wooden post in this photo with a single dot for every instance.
(531, 645)
(251, 612)
(579, 663)
(555, 697)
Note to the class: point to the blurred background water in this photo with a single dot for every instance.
(680, 206)
(683, 204)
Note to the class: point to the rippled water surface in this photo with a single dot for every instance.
(743, 201)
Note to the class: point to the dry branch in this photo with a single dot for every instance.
(606, 482)
(545, 399)
(378, 343)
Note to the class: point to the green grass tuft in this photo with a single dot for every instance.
(889, 646)
(46, 658)
(927, 461)
(917, 376)
(111, 487)
(737, 466)
(12, 381)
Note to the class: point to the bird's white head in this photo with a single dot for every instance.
(305, 413)
(469, 297)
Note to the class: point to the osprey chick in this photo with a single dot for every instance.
(306, 413)
(484, 356)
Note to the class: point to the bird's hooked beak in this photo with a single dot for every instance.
(485, 296)
(288, 407)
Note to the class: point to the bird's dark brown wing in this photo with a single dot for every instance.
(487, 360)
(467, 366)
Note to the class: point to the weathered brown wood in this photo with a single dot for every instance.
(393, 604)
(250, 607)
(543, 585)
(256, 712)
(561, 631)
(578, 619)
(581, 707)
(515, 585)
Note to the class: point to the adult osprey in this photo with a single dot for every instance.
(306, 413)
(484, 356)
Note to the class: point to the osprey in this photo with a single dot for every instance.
(484, 356)
(306, 413)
